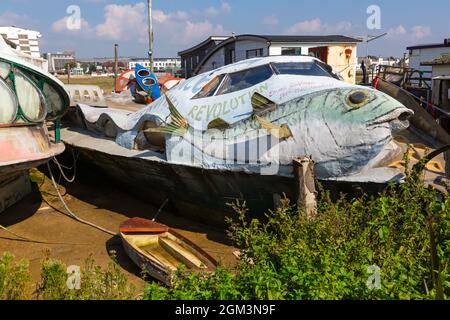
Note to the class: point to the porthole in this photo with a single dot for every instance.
(9, 107)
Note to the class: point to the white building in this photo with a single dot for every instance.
(440, 66)
(376, 62)
(57, 61)
(160, 64)
(27, 41)
(420, 54)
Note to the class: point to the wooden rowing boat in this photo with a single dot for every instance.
(160, 250)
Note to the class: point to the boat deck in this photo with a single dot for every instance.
(84, 139)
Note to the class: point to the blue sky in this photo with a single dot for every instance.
(181, 23)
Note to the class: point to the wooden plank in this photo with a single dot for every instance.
(305, 182)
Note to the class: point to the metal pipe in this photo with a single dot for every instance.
(150, 34)
(116, 64)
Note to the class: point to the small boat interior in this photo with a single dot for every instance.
(166, 250)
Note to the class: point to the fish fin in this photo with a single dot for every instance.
(218, 123)
(262, 105)
(179, 125)
(281, 132)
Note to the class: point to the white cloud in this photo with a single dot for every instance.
(397, 31)
(419, 32)
(181, 15)
(226, 7)
(194, 31)
(129, 22)
(316, 26)
(211, 12)
(271, 20)
(415, 33)
(62, 26)
(123, 22)
(177, 29)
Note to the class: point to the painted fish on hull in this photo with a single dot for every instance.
(262, 113)
(343, 138)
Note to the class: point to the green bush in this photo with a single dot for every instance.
(404, 231)
(15, 280)
(96, 284)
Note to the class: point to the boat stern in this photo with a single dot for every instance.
(24, 147)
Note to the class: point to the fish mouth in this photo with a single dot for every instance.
(397, 120)
(401, 114)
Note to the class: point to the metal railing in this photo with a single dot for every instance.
(406, 77)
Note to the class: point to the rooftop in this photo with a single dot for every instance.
(307, 39)
(444, 44)
(204, 43)
(442, 60)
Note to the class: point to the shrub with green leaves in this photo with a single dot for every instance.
(96, 283)
(405, 232)
(15, 280)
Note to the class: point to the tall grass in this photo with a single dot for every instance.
(96, 283)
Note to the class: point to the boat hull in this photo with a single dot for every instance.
(22, 148)
(160, 251)
(196, 193)
(141, 261)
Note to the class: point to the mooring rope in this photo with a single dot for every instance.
(74, 168)
(71, 214)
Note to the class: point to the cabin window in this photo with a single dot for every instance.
(291, 51)
(31, 100)
(86, 95)
(255, 53)
(210, 88)
(54, 99)
(245, 79)
(8, 111)
(301, 69)
(33, 97)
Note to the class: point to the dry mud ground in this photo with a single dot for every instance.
(96, 199)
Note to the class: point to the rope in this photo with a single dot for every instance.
(71, 214)
(161, 209)
(74, 167)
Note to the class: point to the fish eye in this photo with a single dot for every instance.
(357, 99)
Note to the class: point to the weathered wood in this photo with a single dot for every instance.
(13, 188)
(160, 253)
(306, 186)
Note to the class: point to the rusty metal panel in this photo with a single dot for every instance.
(26, 144)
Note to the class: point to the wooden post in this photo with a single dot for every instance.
(306, 186)
(68, 73)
